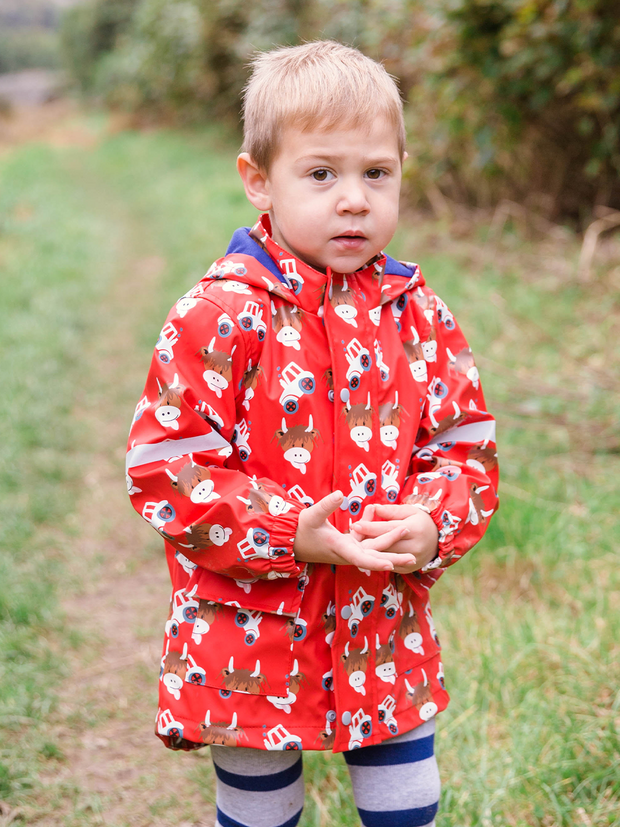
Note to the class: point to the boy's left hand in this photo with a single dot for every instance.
(421, 536)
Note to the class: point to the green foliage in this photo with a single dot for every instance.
(525, 96)
(90, 31)
(28, 48)
(173, 58)
(160, 63)
(505, 98)
(28, 37)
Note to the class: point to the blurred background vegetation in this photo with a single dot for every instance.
(505, 99)
(516, 99)
(29, 35)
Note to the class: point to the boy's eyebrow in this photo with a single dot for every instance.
(370, 160)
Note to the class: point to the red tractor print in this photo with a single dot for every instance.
(363, 484)
(256, 544)
(359, 360)
(391, 601)
(167, 340)
(299, 494)
(225, 325)
(290, 271)
(296, 382)
(251, 318)
(386, 714)
(359, 729)
(279, 738)
(360, 606)
(249, 621)
(240, 439)
(158, 514)
(166, 725)
(389, 481)
(398, 305)
(226, 268)
(184, 610)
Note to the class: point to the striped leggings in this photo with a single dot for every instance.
(395, 784)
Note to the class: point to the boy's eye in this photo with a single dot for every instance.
(321, 174)
(375, 174)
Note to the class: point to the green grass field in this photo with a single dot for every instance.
(530, 621)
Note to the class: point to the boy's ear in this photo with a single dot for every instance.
(255, 182)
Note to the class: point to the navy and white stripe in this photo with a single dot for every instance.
(256, 788)
(397, 781)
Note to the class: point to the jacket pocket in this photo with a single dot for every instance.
(281, 596)
(232, 639)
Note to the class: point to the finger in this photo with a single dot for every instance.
(355, 554)
(357, 535)
(383, 511)
(375, 529)
(369, 512)
(401, 547)
(386, 540)
(366, 559)
(317, 514)
(400, 560)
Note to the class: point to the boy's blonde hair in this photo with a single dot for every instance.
(321, 84)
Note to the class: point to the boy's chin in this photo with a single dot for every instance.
(346, 264)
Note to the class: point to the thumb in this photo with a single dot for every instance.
(321, 510)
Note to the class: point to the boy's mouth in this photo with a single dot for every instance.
(351, 234)
(350, 240)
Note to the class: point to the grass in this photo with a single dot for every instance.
(53, 262)
(530, 621)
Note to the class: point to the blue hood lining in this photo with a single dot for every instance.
(243, 244)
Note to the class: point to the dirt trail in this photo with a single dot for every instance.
(115, 772)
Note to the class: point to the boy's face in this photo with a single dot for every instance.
(332, 195)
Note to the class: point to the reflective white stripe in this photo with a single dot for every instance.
(143, 454)
(474, 432)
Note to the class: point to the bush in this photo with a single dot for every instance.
(89, 32)
(28, 48)
(511, 99)
(514, 99)
(28, 36)
(174, 58)
(524, 101)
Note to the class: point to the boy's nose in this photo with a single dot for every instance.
(353, 200)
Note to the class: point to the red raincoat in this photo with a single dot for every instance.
(271, 385)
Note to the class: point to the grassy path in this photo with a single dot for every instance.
(97, 762)
(99, 234)
(112, 768)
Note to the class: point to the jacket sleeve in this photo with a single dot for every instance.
(185, 458)
(453, 473)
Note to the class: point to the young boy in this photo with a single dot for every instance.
(307, 381)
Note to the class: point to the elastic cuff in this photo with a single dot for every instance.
(434, 564)
(282, 539)
(445, 547)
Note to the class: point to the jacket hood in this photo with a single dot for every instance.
(244, 244)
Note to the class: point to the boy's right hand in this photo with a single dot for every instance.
(318, 541)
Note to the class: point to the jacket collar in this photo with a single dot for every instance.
(242, 242)
(257, 243)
